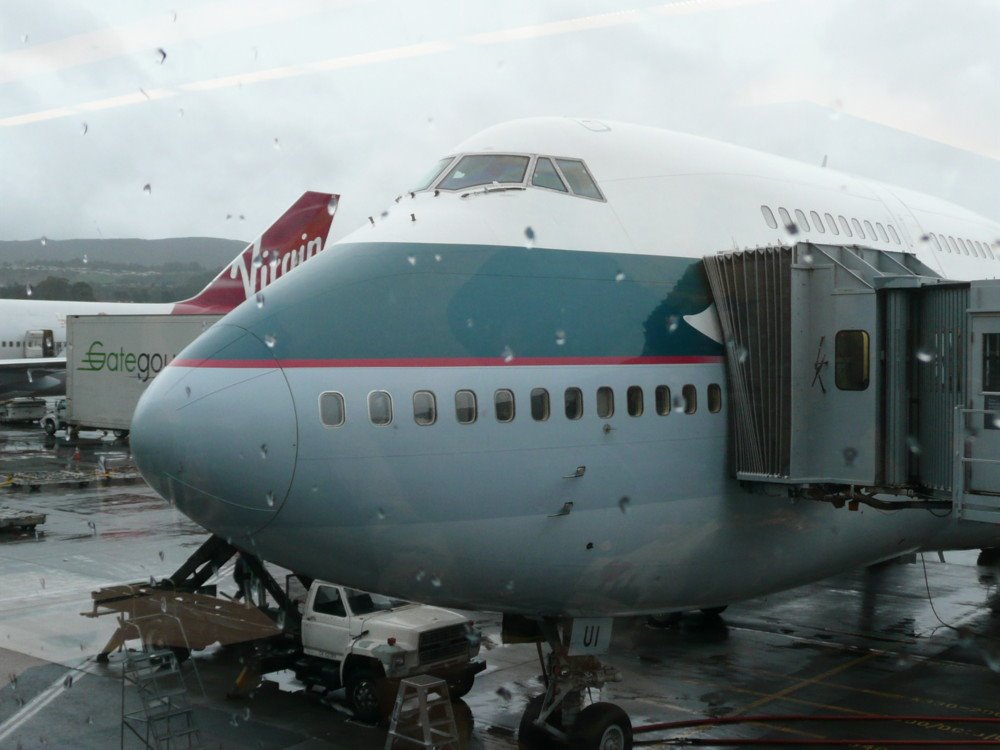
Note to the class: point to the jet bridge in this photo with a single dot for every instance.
(856, 372)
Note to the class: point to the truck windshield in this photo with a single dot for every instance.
(363, 603)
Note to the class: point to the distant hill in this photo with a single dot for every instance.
(209, 252)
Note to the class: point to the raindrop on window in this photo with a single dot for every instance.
(260, 299)
(996, 422)
(27, 289)
(90, 720)
(420, 575)
(560, 338)
(280, 619)
(187, 391)
(504, 693)
(277, 145)
(228, 217)
(42, 581)
(44, 240)
(623, 504)
(381, 514)
(672, 323)
(806, 258)
(242, 217)
(436, 582)
(180, 111)
(411, 259)
(270, 341)
(12, 679)
(437, 257)
(792, 228)
(507, 354)
(679, 403)
(246, 714)
(263, 450)
(234, 720)
(469, 322)
(529, 237)
(849, 455)
(163, 606)
(510, 585)
(913, 445)
(620, 276)
(270, 499)
(92, 526)
(925, 356)
(161, 555)
(84, 129)
(84, 257)
(161, 55)
(925, 238)
(147, 189)
(331, 207)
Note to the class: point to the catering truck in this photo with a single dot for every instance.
(111, 359)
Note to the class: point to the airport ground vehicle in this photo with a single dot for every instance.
(331, 636)
(55, 418)
(22, 410)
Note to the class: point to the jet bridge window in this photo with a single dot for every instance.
(579, 179)
(503, 405)
(328, 602)
(380, 407)
(465, 407)
(574, 403)
(991, 362)
(331, 409)
(485, 169)
(424, 408)
(605, 402)
(546, 176)
(539, 404)
(851, 355)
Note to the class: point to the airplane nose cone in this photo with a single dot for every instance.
(215, 433)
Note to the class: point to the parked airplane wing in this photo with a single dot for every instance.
(34, 376)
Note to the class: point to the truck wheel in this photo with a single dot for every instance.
(120, 434)
(460, 686)
(362, 688)
(49, 426)
(601, 726)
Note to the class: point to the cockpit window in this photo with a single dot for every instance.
(546, 176)
(433, 174)
(485, 169)
(579, 179)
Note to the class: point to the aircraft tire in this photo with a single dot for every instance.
(460, 686)
(120, 434)
(989, 558)
(531, 737)
(601, 726)
(363, 690)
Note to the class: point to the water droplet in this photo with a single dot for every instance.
(315, 488)
(24, 38)
(436, 582)
(44, 240)
(161, 55)
(84, 129)
(280, 619)
(806, 257)
(42, 581)
(242, 217)
(510, 585)
(187, 391)
(925, 356)
(437, 257)
(381, 514)
(263, 450)
(507, 354)
(504, 693)
(234, 721)
(560, 338)
(92, 526)
(620, 276)
(925, 238)
(679, 404)
(623, 504)
(913, 444)
(270, 499)
(270, 341)
(84, 257)
(672, 323)
(331, 207)
(180, 112)
(277, 145)
(147, 189)
(163, 606)
(411, 259)
(469, 322)
(90, 720)
(420, 575)
(849, 455)
(792, 228)
(27, 289)
(996, 422)
(260, 299)
(529, 237)
(246, 714)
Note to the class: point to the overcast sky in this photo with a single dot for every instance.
(258, 100)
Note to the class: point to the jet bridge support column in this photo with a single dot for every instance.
(898, 444)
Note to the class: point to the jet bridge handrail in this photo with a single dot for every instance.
(973, 505)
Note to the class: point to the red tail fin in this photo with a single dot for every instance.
(299, 234)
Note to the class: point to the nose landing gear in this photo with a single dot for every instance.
(558, 718)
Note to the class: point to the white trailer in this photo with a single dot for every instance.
(111, 359)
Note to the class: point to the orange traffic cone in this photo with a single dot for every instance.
(76, 455)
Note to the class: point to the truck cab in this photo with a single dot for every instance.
(368, 642)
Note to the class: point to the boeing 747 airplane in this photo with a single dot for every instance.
(533, 387)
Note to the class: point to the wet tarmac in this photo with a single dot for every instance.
(866, 642)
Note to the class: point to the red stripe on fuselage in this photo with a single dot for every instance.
(447, 362)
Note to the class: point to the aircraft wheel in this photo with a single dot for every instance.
(120, 434)
(362, 688)
(989, 558)
(601, 726)
(530, 736)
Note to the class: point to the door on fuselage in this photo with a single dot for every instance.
(40, 343)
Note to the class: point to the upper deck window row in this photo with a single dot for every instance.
(513, 171)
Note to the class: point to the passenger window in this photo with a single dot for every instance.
(663, 400)
(539, 404)
(800, 217)
(831, 224)
(546, 176)
(690, 394)
(769, 217)
(331, 409)
(857, 228)
(895, 237)
(634, 398)
(869, 230)
(605, 402)
(786, 219)
(379, 407)
(579, 179)
(944, 242)
(503, 405)
(714, 398)
(961, 244)
(937, 243)
(989, 250)
(465, 407)
(845, 226)
(881, 231)
(485, 169)
(953, 245)
(574, 403)
(817, 222)
(424, 408)
(851, 360)
(328, 602)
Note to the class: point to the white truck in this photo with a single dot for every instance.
(367, 643)
(111, 359)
